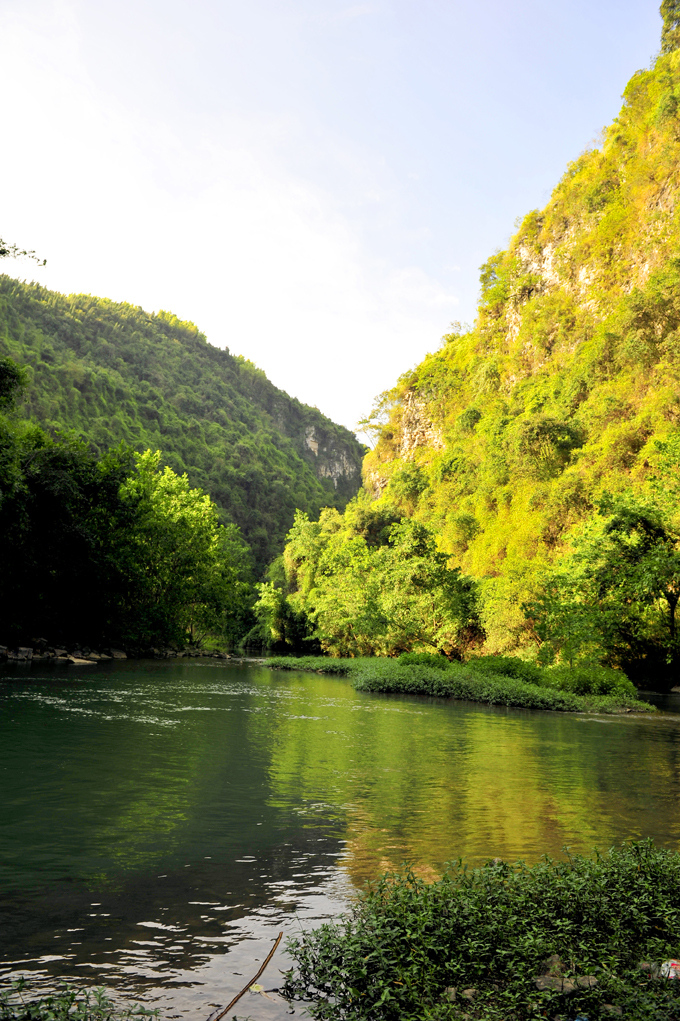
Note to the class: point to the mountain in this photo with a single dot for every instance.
(113, 372)
(512, 433)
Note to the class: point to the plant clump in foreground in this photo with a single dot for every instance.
(492, 680)
(584, 937)
(68, 1004)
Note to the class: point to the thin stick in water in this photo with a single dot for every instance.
(251, 983)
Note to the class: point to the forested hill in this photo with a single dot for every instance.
(512, 434)
(114, 373)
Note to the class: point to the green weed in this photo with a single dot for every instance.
(472, 944)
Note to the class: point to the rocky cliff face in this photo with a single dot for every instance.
(334, 459)
(417, 428)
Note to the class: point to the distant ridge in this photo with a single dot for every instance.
(113, 372)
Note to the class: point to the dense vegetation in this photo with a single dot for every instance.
(112, 550)
(538, 451)
(561, 939)
(114, 373)
(365, 583)
(19, 1003)
(493, 680)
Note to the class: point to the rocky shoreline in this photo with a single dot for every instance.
(83, 655)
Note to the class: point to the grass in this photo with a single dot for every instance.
(473, 944)
(321, 664)
(494, 683)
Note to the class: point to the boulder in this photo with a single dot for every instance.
(553, 978)
(76, 661)
(118, 654)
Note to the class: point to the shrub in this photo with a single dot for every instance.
(68, 1004)
(459, 682)
(509, 666)
(431, 659)
(412, 950)
(591, 680)
(468, 681)
(320, 664)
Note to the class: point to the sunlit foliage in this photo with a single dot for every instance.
(510, 436)
(370, 583)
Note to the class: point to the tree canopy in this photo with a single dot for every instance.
(670, 33)
(368, 583)
(113, 549)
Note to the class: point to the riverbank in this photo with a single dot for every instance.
(83, 655)
(474, 683)
(582, 938)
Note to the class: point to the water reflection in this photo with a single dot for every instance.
(162, 821)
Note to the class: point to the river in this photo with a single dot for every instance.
(163, 821)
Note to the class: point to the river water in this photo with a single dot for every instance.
(163, 821)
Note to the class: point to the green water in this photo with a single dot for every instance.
(162, 822)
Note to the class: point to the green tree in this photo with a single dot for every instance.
(370, 583)
(613, 597)
(670, 33)
(12, 384)
(185, 571)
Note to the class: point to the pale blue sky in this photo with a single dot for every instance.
(315, 184)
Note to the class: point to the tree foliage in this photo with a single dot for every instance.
(670, 33)
(110, 549)
(371, 583)
(614, 595)
(506, 439)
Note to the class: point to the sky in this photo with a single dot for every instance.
(314, 183)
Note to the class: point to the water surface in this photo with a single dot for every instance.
(163, 821)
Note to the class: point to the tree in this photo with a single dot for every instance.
(187, 574)
(12, 384)
(370, 583)
(10, 251)
(670, 33)
(613, 597)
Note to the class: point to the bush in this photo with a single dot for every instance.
(592, 680)
(320, 664)
(468, 681)
(412, 950)
(432, 659)
(509, 666)
(68, 1004)
(459, 682)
